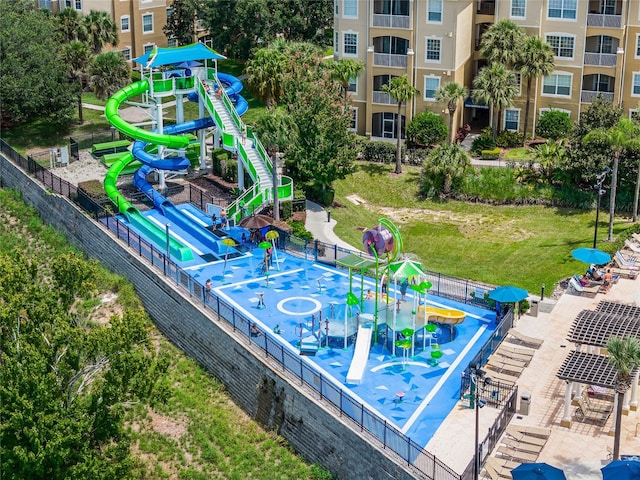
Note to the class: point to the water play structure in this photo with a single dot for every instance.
(190, 73)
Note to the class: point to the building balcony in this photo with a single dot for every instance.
(389, 60)
(486, 7)
(600, 59)
(382, 97)
(391, 21)
(603, 20)
(586, 96)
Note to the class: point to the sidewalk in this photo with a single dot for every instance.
(321, 229)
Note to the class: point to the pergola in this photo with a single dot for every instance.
(593, 329)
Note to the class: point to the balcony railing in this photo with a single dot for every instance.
(486, 8)
(384, 98)
(602, 20)
(391, 21)
(586, 96)
(602, 59)
(389, 60)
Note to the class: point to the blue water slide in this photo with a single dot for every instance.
(233, 87)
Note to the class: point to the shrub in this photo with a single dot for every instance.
(554, 124)
(492, 154)
(509, 139)
(416, 156)
(298, 230)
(230, 173)
(462, 133)
(426, 129)
(483, 142)
(286, 209)
(380, 152)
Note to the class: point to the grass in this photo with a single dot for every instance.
(198, 433)
(504, 245)
(521, 154)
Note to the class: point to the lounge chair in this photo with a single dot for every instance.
(525, 447)
(521, 352)
(513, 354)
(524, 339)
(634, 247)
(504, 368)
(517, 455)
(502, 463)
(524, 438)
(582, 290)
(503, 378)
(497, 474)
(636, 236)
(626, 261)
(583, 412)
(508, 360)
(624, 272)
(529, 430)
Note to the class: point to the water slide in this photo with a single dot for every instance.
(233, 86)
(360, 354)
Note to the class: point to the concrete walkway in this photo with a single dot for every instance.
(322, 229)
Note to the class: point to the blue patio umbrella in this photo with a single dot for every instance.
(508, 294)
(621, 470)
(591, 255)
(537, 471)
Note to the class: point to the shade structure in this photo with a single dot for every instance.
(189, 64)
(621, 470)
(537, 471)
(256, 221)
(591, 255)
(508, 294)
(406, 269)
(227, 242)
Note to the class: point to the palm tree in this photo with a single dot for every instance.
(70, 25)
(623, 135)
(501, 43)
(345, 70)
(401, 91)
(277, 131)
(451, 94)
(549, 155)
(535, 60)
(109, 72)
(624, 355)
(450, 162)
(99, 30)
(495, 86)
(264, 75)
(77, 55)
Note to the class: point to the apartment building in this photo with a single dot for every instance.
(139, 22)
(596, 45)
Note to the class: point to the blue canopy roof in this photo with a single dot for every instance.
(158, 57)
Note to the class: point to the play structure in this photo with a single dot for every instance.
(186, 73)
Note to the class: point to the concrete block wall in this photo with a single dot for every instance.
(257, 386)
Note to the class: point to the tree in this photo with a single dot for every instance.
(502, 43)
(549, 155)
(496, 86)
(69, 25)
(623, 135)
(108, 73)
(554, 124)
(264, 75)
(624, 355)
(426, 129)
(444, 168)
(181, 21)
(451, 94)
(33, 77)
(277, 131)
(535, 60)
(401, 91)
(99, 30)
(77, 56)
(345, 70)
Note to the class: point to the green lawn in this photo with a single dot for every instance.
(505, 245)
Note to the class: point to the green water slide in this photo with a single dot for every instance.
(153, 232)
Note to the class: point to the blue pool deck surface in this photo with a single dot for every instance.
(410, 392)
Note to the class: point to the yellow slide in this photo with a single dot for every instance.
(442, 316)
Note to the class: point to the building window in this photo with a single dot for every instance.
(636, 84)
(565, 9)
(349, 8)
(335, 7)
(335, 42)
(147, 23)
(434, 11)
(518, 8)
(557, 84)
(561, 45)
(518, 83)
(126, 52)
(350, 41)
(633, 114)
(637, 46)
(354, 119)
(384, 125)
(431, 84)
(78, 5)
(148, 47)
(172, 42)
(124, 23)
(511, 119)
(432, 49)
(353, 85)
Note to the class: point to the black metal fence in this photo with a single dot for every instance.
(425, 464)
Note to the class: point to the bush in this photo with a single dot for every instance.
(286, 209)
(554, 124)
(416, 156)
(298, 230)
(322, 196)
(492, 154)
(509, 139)
(230, 173)
(483, 142)
(380, 152)
(462, 132)
(218, 157)
(426, 129)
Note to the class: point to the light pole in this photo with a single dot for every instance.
(478, 403)
(599, 192)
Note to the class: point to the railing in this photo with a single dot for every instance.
(602, 59)
(486, 8)
(391, 21)
(382, 97)
(425, 464)
(586, 96)
(389, 60)
(603, 20)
